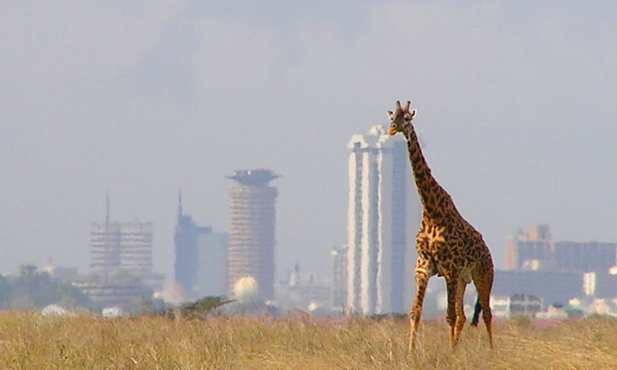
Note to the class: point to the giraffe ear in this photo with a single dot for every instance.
(390, 114)
(410, 115)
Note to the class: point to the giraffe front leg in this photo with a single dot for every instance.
(451, 290)
(416, 311)
(460, 311)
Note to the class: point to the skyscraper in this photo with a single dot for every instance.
(186, 265)
(383, 218)
(121, 245)
(252, 230)
(118, 249)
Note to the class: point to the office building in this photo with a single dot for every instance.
(339, 277)
(556, 271)
(121, 245)
(201, 258)
(536, 250)
(252, 230)
(120, 263)
(383, 217)
(118, 246)
(552, 286)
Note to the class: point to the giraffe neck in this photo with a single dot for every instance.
(434, 198)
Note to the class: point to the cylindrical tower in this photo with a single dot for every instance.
(252, 236)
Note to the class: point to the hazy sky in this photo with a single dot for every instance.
(516, 106)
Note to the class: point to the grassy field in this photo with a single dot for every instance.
(29, 341)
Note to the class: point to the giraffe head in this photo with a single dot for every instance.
(401, 118)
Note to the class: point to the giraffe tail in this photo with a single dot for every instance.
(476, 313)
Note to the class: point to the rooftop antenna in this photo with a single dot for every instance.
(108, 246)
(107, 209)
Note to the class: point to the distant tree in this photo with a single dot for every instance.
(200, 308)
(6, 290)
(32, 289)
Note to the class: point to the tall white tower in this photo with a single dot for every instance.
(383, 217)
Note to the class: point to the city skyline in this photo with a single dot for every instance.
(515, 107)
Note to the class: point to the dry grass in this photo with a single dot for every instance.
(29, 341)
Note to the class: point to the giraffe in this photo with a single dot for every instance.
(447, 244)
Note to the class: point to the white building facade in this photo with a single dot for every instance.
(121, 245)
(383, 218)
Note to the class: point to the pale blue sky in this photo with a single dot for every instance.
(142, 98)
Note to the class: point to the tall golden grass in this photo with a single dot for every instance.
(29, 341)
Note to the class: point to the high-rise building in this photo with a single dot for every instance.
(186, 265)
(252, 230)
(120, 262)
(121, 246)
(339, 277)
(201, 258)
(383, 218)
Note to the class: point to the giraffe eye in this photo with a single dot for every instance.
(407, 116)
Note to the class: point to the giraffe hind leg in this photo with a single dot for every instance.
(483, 286)
(476, 313)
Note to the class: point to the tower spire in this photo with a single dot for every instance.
(179, 205)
